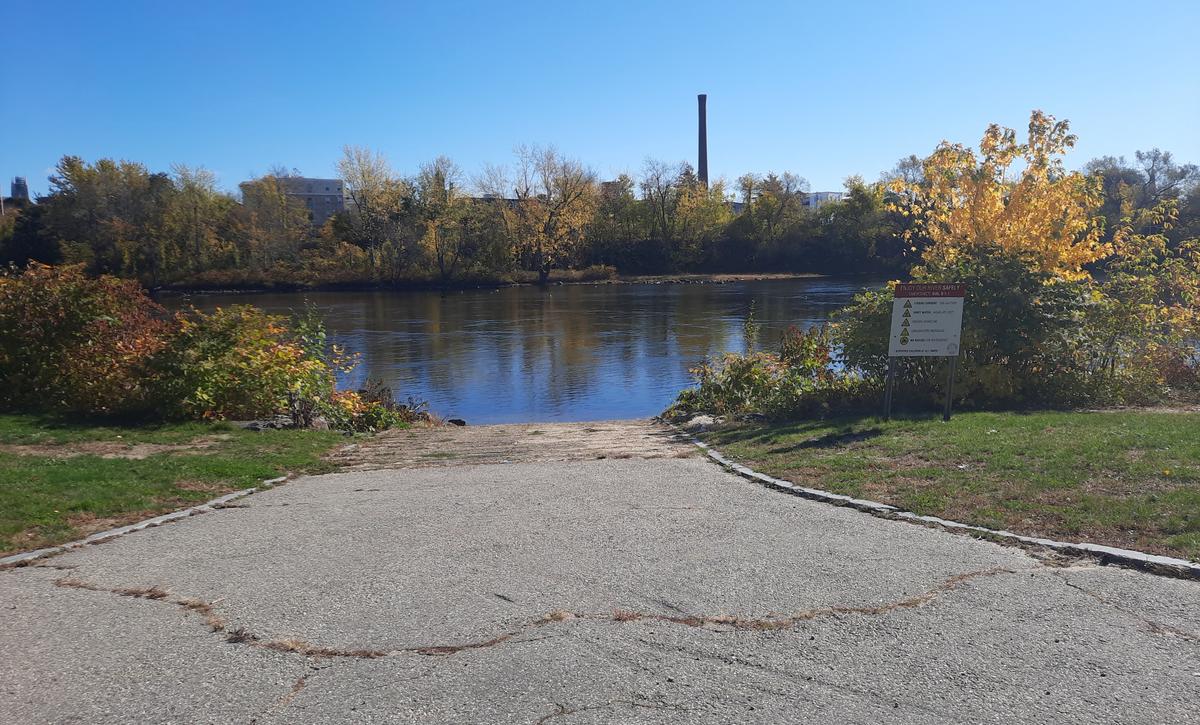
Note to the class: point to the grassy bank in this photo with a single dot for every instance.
(60, 480)
(1126, 478)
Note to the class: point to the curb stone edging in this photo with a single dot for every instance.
(1152, 563)
(29, 556)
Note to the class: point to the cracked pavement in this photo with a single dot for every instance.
(639, 590)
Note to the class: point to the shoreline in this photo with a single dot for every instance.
(423, 286)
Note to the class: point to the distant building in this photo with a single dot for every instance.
(817, 199)
(323, 197)
(19, 189)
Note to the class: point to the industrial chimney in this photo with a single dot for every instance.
(702, 166)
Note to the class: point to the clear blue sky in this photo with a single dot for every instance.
(822, 89)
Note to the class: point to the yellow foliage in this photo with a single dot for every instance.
(1041, 211)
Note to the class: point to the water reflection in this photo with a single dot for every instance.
(580, 352)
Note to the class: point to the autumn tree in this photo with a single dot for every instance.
(776, 202)
(1041, 212)
(107, 213)
(270, 223)
(701, 215)
(439, 204)
(197, 221)
(378, 218)
(1128, 189)
(553, 201)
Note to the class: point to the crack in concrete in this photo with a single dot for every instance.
(300, 683)
(564, 711)
(1151, 625)
(292, 645)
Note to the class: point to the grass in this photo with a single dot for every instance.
(1123, 478)
(58, 481)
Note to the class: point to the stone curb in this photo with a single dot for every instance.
(99, 536)
(1152, 563)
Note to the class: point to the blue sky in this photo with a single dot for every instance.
(822, 89)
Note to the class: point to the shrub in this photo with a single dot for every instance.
(69, 343)
(240, 362)
(1025, 340)
(372, 409)
(801, 380)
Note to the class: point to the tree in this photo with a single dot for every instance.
(378, 219)
(440, 205)
(108, 215)
(660, 192)
(1046, 215)
(26, 238)
(196, 221)
(1163, 178)
(702, 213)
(778, 202)
(619, 233)
(270, 222)
(554, 200)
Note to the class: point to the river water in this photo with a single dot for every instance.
(566, 353)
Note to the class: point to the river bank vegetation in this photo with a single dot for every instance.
(74, 345)
(543, 217)
(1079, 293)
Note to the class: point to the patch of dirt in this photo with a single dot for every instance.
(515, 443)
(1124, 488)
(110, 449)
(86, 524)
(202, 486)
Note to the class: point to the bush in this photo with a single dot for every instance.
(239, 362)
(1032, 338)
(373, 409)
(69, 343)
(801, 380)
(73, 344)
(1024, 337)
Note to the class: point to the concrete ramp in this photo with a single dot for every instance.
(515, 443)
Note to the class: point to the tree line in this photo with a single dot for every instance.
(542, 214)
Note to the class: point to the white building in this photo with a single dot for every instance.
(821, 198)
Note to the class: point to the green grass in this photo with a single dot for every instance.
(47, 498)
(1122, 478)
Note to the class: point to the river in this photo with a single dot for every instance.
(566, 353)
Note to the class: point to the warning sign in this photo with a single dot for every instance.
(927, 320)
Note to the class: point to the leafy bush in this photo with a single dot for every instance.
(801, 380)
(70, 343)
(74, 344)
(372, 409)
(1024, 338)
(239, 362)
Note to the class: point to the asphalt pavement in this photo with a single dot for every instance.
(628, 590)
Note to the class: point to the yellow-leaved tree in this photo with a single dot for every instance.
(1013, 197)
(552, 202)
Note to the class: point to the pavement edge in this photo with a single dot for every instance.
(1152, 563)
(100, 536)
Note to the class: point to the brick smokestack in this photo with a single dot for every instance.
(702, 166)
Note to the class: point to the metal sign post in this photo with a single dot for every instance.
(926, 322)
(889, 388)
(950, 389)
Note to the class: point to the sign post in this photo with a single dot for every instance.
(926, 322)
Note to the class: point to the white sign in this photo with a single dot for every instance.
(927, 320)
